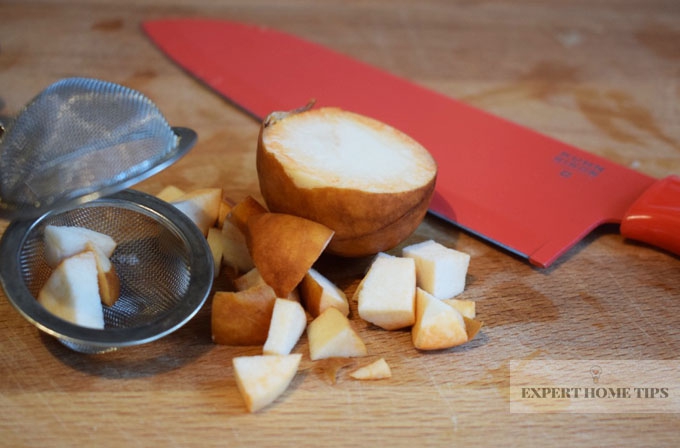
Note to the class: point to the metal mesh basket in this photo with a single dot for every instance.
(66, 160)
(162, 259)
(80, 139)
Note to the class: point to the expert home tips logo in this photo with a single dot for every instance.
(577, 386)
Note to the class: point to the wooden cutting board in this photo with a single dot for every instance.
(602, 76)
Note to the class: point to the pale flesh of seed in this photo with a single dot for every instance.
(345, 150)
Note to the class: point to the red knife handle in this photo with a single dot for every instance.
(654, 218)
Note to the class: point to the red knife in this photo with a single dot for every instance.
(517, 188)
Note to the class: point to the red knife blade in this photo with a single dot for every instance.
(528, 193)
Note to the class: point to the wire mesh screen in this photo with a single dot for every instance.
(151, 260)
(77, 137)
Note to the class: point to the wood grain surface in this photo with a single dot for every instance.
(603, 75)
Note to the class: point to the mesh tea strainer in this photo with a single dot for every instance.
(80, 139)
(66, 160)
